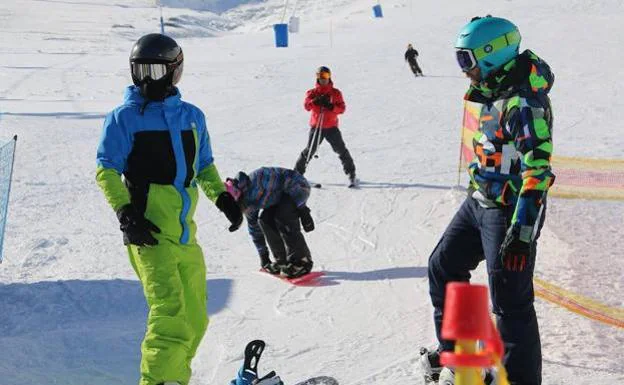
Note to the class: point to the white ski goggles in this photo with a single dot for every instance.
(154, 71)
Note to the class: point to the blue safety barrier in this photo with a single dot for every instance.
(377, 12)
(281, 35)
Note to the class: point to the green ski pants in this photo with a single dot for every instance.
(174, 284)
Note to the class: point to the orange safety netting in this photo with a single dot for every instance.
(576, 178)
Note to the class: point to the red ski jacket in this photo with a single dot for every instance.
(330, 117)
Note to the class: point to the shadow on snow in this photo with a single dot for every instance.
(78, 332)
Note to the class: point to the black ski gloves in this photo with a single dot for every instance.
(306, 219)
(514, 252)
(136, 229)
(323, 101)
(226, 203)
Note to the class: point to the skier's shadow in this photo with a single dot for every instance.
(332, 278)
(391, 185)
(365, 184)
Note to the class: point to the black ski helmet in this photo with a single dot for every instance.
(323, 69)
(156, 48)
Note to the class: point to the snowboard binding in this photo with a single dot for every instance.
(248, 373)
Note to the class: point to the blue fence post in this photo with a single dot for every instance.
(7, 159)
(281, 35)
(377, 12)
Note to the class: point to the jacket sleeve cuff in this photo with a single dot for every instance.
(210, 182)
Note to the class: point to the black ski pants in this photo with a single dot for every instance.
(415, 68)
(334, 137)
(282, 230)
(475, 234)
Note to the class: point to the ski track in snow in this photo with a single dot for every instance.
(72, 309)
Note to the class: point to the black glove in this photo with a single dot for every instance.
(328, 105)
(226, 203)
(514, 252)
(136, 229)
(306, 219)
(321, 100)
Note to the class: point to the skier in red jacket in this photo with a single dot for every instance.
(326, 103)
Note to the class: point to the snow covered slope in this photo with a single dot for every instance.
(71, 309)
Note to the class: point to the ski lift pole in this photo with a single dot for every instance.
(284, 11)
(162, 23)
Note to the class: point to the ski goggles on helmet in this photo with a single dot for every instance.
(156, 71)
(465, 59)
(468, 58)
(323, 75)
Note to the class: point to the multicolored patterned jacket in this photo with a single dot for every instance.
(264, 188)
(511, 118)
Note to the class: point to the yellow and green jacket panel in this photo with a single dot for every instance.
(163, 151)
(512, 142)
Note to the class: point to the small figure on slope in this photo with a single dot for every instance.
(410, 56)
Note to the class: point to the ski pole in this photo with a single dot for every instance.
(310, 144)
(319, 137)
(316, 138)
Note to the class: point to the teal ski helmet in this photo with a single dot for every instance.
(487, 42)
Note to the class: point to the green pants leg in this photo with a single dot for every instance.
(174, 284)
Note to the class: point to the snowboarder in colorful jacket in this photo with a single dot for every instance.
(508, 108)
(325, 103)
(160, 145)
(274, 202)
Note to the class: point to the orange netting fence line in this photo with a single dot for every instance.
(575, 178)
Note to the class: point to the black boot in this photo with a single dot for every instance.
(297, 268)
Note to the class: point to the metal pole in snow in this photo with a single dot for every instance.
(162, 23)
(284, 11)
(6, 203)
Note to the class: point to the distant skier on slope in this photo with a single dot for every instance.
(160, 145)
(501, 218)
(274, 202)
(325, 103)
(410, 56)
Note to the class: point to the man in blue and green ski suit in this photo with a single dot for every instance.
(160, 145)
(501, 218)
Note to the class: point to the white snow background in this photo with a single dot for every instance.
(71, 308)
